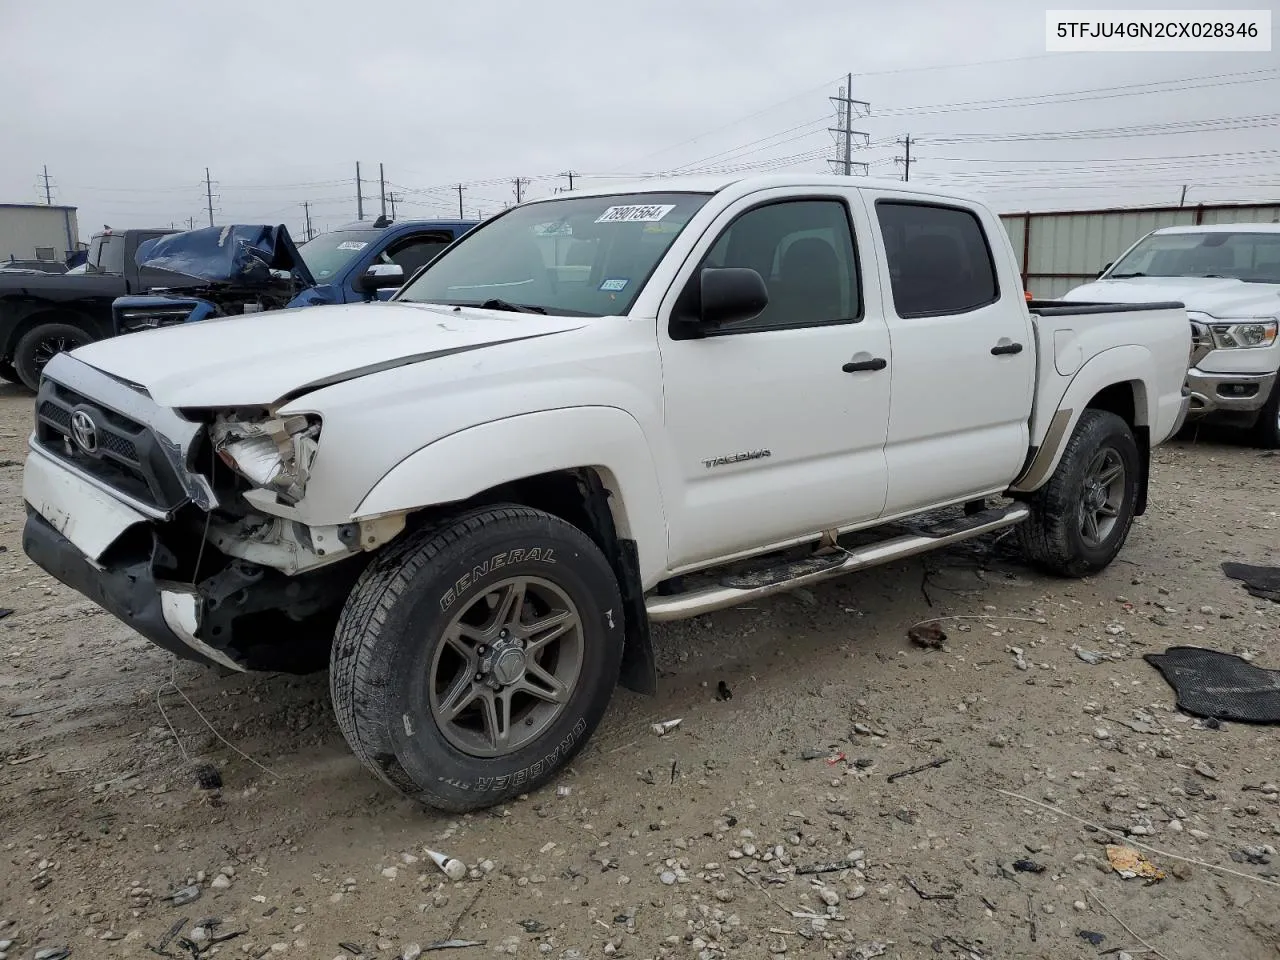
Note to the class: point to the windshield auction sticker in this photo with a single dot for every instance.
(636, 213)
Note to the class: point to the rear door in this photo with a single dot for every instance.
(778, 423)
(963, 374)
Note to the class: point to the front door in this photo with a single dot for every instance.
(964, 355)
(778, 423)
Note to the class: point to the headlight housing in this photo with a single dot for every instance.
(1243, 334)
(273, 453)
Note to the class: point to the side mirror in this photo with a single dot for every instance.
(1105, 268)
(380, 276)
(731, 294)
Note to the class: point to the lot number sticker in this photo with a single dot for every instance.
(614, 284)
(352, 245)
(636, 213)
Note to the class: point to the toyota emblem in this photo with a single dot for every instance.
(84, 431)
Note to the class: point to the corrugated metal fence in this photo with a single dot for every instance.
(1063, 249)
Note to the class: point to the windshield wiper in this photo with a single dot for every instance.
(1126, 276)
(495, 304)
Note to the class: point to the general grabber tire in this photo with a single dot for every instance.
(1081, 517)
(475, 658)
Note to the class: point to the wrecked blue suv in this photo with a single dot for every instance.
(248, 268)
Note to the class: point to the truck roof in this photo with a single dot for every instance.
(372, 224)
(749, 183)
(1224, 228)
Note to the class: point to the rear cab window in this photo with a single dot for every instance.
(939, 258)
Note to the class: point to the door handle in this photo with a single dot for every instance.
(1002, 349)
(857, 366)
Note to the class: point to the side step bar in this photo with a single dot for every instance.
(734, 590)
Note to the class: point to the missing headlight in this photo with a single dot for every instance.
(274, 453)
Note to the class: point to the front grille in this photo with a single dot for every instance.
(1201, 342)
(125, 454)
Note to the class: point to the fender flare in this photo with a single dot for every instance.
(466, 463)
(1130, 364)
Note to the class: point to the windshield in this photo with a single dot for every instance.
(580, 256)
(328, 253)
(106, 254)
(1252, 257)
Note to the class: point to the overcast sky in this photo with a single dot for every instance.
(128, 102)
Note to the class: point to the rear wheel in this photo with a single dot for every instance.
(1081, 517)
(1266, 431)
(475, 659)
(39, 345)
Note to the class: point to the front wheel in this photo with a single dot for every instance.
(1081, 517)
(39, 345)
(475, 659)
(1266, 430)
(7, 372)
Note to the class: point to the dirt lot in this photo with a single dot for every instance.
(685, 845)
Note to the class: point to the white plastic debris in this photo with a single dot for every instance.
(451, 868)
(666, 726)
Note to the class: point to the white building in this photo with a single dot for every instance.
(37, 231)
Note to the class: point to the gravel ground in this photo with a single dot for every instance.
(696, 844)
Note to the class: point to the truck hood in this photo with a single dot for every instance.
(240, 254)
(1217, 298)
(260, 359)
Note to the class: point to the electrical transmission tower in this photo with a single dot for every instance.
(48, 186)
(905, 160)
(208, 195)
(848, 110)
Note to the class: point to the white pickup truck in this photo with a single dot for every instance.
(1228, 276)
(591, 412)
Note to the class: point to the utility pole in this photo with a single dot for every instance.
(521, 183)
(359, 194)
(208, 194)
(906, 159)
(570, 174)
(306, 209)
(391, 198)
(1183, 199)
(460, 188)
(845, 105)
(48, 194)
(382, 190)
(191, 223)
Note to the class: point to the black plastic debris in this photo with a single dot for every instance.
(1261, 582)
(1091, 936)
(185, 895)
(1028, 866)
(1219, 685)
(208, 777)
(723, 692)
(352, 948)
(4, 612)
(532, 926)
(927, 636)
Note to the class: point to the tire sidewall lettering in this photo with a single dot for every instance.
(497, 561)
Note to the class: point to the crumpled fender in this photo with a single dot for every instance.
(466, 463)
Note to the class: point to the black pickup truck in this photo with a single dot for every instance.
(42, 314)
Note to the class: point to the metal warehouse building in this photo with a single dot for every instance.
(31, 231)
(1062, 249)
